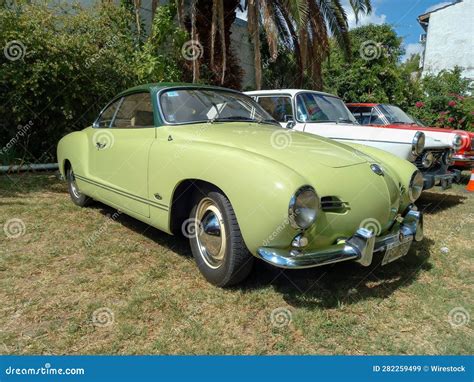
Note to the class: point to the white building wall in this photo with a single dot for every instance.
(243, 49)
(450, 39)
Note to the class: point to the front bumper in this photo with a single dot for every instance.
(443, 180)
(463, 160)
(360, 247)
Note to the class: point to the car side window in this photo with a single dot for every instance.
(363, 114)
(107, 115)
(135, 111)
(279, 107)
(375, 118)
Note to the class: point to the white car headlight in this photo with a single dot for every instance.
(416, 186)
(304, 208)
(418, 143)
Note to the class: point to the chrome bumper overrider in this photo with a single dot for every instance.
(360, 247)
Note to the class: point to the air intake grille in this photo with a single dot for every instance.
(333, 204)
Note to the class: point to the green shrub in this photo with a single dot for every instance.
(446, 101)
(62, 63)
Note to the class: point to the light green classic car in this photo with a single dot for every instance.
(211, 164)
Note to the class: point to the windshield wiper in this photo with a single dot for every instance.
(241, 119)
(345, 120)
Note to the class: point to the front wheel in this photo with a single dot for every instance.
(216, 242)
(76, 196)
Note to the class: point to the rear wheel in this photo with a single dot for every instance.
(77, 197)
(216, 241)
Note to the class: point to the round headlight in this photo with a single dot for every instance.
(427, 160)
(448, 158)
(457, 142)
(304, 208)
(418, 143)
(416, 186)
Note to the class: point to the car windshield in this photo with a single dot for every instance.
(312, 107)
(181, 106)
(396, 115)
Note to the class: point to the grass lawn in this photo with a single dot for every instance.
(86, 281)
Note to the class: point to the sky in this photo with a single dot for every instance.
(402, 14)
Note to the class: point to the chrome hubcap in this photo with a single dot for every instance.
(211, 236)
(74, 188)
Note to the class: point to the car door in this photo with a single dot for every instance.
(121, 140)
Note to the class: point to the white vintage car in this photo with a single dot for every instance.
(326, 115)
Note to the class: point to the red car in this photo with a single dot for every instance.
(377, 114)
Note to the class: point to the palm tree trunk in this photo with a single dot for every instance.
(222, 35)
(180, 12)
(253, 23)
(194, 37)
(137, 4)
(215, 6)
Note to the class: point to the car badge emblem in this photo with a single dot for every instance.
(377, 169)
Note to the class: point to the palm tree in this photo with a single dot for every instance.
(305, 27)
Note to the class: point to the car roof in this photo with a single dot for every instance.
(157, 86)
(361, 104)
(292, 92)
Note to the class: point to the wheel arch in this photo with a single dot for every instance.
(182, 200)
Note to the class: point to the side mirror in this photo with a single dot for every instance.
(290, 123)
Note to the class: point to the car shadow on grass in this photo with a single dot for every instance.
(177, 244)
(322, 287)
(19, 184)
(432, 203)
(343, 283)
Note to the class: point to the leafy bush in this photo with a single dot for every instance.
(373, 73)
(445, 101)
(62, 63)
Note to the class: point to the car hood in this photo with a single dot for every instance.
(289, 147)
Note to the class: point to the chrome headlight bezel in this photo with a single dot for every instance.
(427, 160)
(415, 187)
(304, 208)
(457, 142)
(418, 143)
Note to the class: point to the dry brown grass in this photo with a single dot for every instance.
(51, 284)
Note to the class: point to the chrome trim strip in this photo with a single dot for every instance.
(123, 193)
